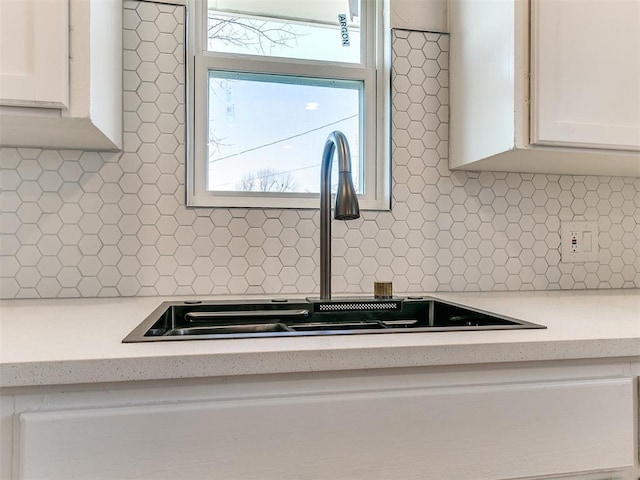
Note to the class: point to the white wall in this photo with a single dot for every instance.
(422, 15)
(87, 224)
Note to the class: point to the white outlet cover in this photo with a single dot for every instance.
(586, 248)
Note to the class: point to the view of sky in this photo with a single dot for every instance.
(261, 125)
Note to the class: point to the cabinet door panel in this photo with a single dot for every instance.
(34, 53)
(479, 432)
(586, 73)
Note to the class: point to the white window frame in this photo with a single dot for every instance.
(374, 71)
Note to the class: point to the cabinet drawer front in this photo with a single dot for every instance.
(486, 432)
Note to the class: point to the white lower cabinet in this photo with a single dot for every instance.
(444, 423)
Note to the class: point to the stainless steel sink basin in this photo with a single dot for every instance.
(194, 320)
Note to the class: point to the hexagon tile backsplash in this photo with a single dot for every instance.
(85, 224)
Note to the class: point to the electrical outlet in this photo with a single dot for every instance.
(579, 241)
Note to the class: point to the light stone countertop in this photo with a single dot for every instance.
(71, 341)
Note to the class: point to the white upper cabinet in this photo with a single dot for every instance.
(34, 53)
(586, 73)
(545, 86)
(61, 74)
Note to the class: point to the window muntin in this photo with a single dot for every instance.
(369, 142)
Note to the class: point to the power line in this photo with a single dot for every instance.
(316, 165)
(282, 140)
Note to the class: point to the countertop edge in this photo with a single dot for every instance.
(54, 342)
(132, 369)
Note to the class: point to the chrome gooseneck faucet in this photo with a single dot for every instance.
(346, 207)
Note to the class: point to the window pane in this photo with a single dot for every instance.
(310, 30)
(267, 132)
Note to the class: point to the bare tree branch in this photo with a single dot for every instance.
(249, 33)
(260, 37)
(267, 180)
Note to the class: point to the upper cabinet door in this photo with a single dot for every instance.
(586, 73)
(61, 74)
(34, 53)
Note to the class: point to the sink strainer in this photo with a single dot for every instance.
(357, 306)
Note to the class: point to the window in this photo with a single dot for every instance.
(268, 82)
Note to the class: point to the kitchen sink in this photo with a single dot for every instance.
(197, 320)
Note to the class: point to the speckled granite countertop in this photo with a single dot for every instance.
(69, 341)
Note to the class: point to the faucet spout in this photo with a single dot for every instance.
(346, 207)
